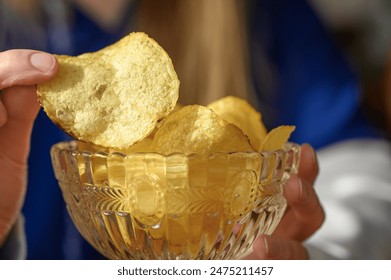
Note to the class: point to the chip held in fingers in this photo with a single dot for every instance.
(113, 97)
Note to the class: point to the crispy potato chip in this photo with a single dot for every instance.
(240, 113)
(113, 97)
(90, 147)
(177, 107)
(277, 137)
(143, 146)
(197, 129)
(275, 140)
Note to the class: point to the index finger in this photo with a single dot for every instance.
(26, 67)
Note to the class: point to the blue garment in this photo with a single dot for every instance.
(316, 91)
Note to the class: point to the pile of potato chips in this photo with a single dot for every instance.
(127, 102)
(229, 124)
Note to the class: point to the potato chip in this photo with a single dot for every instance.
(177, 107)
(90, 147)
(143, 146)
(113, 97)
(240, 113)
(197, 129)
(277, 137)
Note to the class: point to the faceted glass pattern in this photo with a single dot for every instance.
(150, 206)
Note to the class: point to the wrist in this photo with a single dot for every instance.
(14, 245)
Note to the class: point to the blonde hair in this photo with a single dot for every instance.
(207, 40)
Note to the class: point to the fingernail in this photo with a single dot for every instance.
(300, 188)
(303, 193)
(42, 61)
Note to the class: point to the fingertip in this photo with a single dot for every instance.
(305, 204)
(300, 195)
(294, 190)
(309, 167)
(309, 151)
(43, 62)
(26, 67)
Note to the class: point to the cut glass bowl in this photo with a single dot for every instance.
(151, 206)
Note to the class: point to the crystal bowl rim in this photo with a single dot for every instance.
(71, 148)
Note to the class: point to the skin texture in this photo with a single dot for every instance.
(19, 108)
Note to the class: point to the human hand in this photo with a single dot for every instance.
(20, 71)
(302, 218)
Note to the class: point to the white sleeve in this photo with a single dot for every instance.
(354, 187)
(15, 247)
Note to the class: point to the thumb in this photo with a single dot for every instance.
(25, 67)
